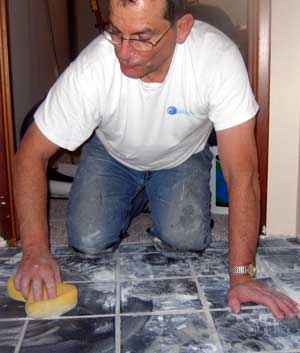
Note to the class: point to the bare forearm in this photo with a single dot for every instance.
(30, 187)
(243, 220)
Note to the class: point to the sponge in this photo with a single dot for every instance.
(13, 292)
(66, 299)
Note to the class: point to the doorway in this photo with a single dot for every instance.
(257, 36)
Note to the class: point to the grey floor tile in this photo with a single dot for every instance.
(291, 284)
(9, 308)
(167, 334)
(97, 298)
(8, 267)
(93, 299)
(262, 270)
(219, 244)
(160, 295)
(152, 266)
(274, 242)
(278, 251)
(294, 241)
(11, 251)
(86, 335)
(282, 263)
(85, 268)
(9, 335)
(256, 331)
(213, 262)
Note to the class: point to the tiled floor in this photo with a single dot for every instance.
(138, 300)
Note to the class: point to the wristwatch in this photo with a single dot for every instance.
(249, 270)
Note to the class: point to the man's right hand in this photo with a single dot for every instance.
(38, 269)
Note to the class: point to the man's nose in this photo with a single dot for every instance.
(124, 50)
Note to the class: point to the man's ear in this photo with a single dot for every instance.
(184, 26)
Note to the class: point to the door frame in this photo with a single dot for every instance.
(259, 30)
(7, 131)
(259, 50)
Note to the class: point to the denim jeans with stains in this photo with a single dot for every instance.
(106, 195)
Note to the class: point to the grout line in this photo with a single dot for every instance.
(56, 318)
(14, 319)
(108, 281)
(151, 279)
(118, 305)
(137, 313)
(281, 351)
(206, 310)
(163, 312)
(158, 278)
(21, 337)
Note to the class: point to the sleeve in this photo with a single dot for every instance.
(231, 100)
(70, 113)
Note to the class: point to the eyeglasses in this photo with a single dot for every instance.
(138, 44)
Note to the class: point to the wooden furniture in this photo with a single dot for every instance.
(7, 214)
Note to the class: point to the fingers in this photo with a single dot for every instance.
(234, 305)
(25, 286)
(280, 305)
(17, 280)
(275, 307)
(57, 275)
(50, 285)
(38, 274)
(289, 309)
(37, 289)
(38, 285)
(290, 302)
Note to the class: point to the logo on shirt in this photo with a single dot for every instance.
(171, 110)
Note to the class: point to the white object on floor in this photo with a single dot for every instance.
(3, 242)
(59, 189)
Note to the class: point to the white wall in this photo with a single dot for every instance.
(283, 184)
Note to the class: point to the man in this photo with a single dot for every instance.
(152, 87)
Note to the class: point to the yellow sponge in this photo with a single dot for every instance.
(66, 299)
(13, 292)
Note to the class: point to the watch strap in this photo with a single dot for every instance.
(249, 270)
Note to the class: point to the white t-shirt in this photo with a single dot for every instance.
(150, 126)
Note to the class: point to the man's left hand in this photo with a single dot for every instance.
(251, 290)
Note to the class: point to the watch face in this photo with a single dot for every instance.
(252, 270)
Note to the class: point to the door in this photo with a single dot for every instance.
(7, 218)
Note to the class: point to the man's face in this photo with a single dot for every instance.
(143, 20)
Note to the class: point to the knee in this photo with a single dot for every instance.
(89, 239)
(192, 237)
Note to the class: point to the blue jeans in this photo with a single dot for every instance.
(106, 195)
